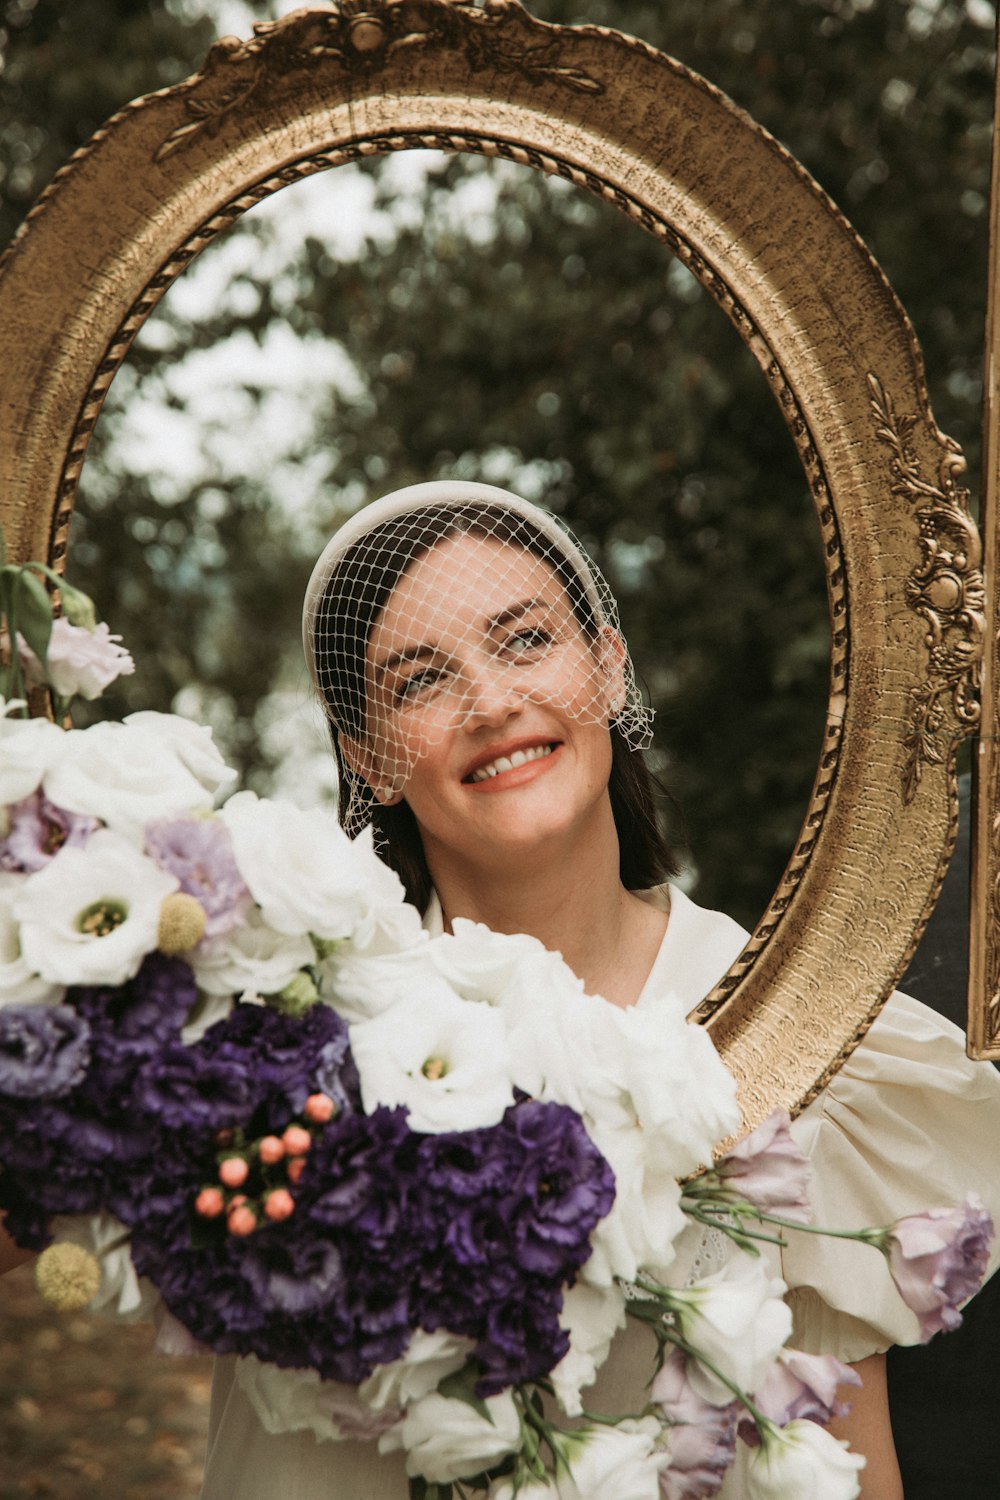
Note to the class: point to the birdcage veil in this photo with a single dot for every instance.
(406, 638)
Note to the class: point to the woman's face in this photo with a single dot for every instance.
(487, 704)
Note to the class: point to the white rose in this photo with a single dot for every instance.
(19, 985)
(122, 1295)
(192, 744)
(29, 748)
(80, 662)
(737, 1320)
(613, 1463)
(69, 909)
(592, 1316)
(126, 775)
(300, 867)
(448, 1439)
(803, 1461)
(444, 1058)
(252, 956)
(428, 1359)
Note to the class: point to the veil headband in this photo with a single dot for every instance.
(428, 690)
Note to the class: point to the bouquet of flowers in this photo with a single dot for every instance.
(419, 1184)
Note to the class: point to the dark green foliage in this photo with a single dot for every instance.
(561, 350)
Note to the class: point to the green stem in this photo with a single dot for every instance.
(761, 1422)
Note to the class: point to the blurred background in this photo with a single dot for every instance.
(429, 316)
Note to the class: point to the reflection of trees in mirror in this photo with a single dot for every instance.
(550, 345)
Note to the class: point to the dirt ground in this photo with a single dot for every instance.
(88, 1412)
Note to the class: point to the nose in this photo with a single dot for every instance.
(491, 695)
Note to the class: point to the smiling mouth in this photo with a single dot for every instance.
(509, 762)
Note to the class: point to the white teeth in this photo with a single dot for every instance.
(508, 763)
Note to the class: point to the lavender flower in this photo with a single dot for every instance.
(44, 1050)
(800, 1387)
(38, 830)
(702, 1437)
(768, 1170)
(938, 1260)
(199, 851)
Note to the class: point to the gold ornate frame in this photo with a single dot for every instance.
(621, 120)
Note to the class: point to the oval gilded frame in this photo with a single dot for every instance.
(612, 115)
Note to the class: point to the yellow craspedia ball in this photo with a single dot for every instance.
(68, 1276)
(182, 923)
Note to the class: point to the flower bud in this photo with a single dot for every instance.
(77, 606)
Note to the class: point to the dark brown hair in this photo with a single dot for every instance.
(355, 596)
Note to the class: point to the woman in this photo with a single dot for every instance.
(486, 721)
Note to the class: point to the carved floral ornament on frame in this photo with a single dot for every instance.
(618, 119)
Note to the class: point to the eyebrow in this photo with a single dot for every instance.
(427, 651)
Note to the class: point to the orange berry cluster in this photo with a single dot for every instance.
(267, 1168)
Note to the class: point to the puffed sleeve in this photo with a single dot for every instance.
(909, 1123)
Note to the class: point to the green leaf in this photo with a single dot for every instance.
(31, 613)
(461, 1386)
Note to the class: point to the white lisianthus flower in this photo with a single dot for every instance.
(252, 956)
(683, 1095)
(737, 1320)
(91, 915)
(592, 1316)
(484, 965)
(535, 1489)
(388, 922)
(447, 1439)
(360, 987)
(81, 662)
(428, 1359)
(612, 1463)
(444, 1058)
(125, 774)
(299, 1401)
(805, 1461)
(192, 744)
(122, 1295)
(301, 867)
(19, 985)
(29, 748)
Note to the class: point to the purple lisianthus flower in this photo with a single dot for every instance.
(702, 1437)
(938, 1260)
(186, 1087)
(293, 1274)
(199, 851)
(564, 1189)
(288, 1057)
(768, 1170)
(38, 830)
(800, 1387)
(44, 1050)
(146, 1011)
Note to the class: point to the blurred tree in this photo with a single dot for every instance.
(544, 343)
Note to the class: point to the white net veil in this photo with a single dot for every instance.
(452, 606)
